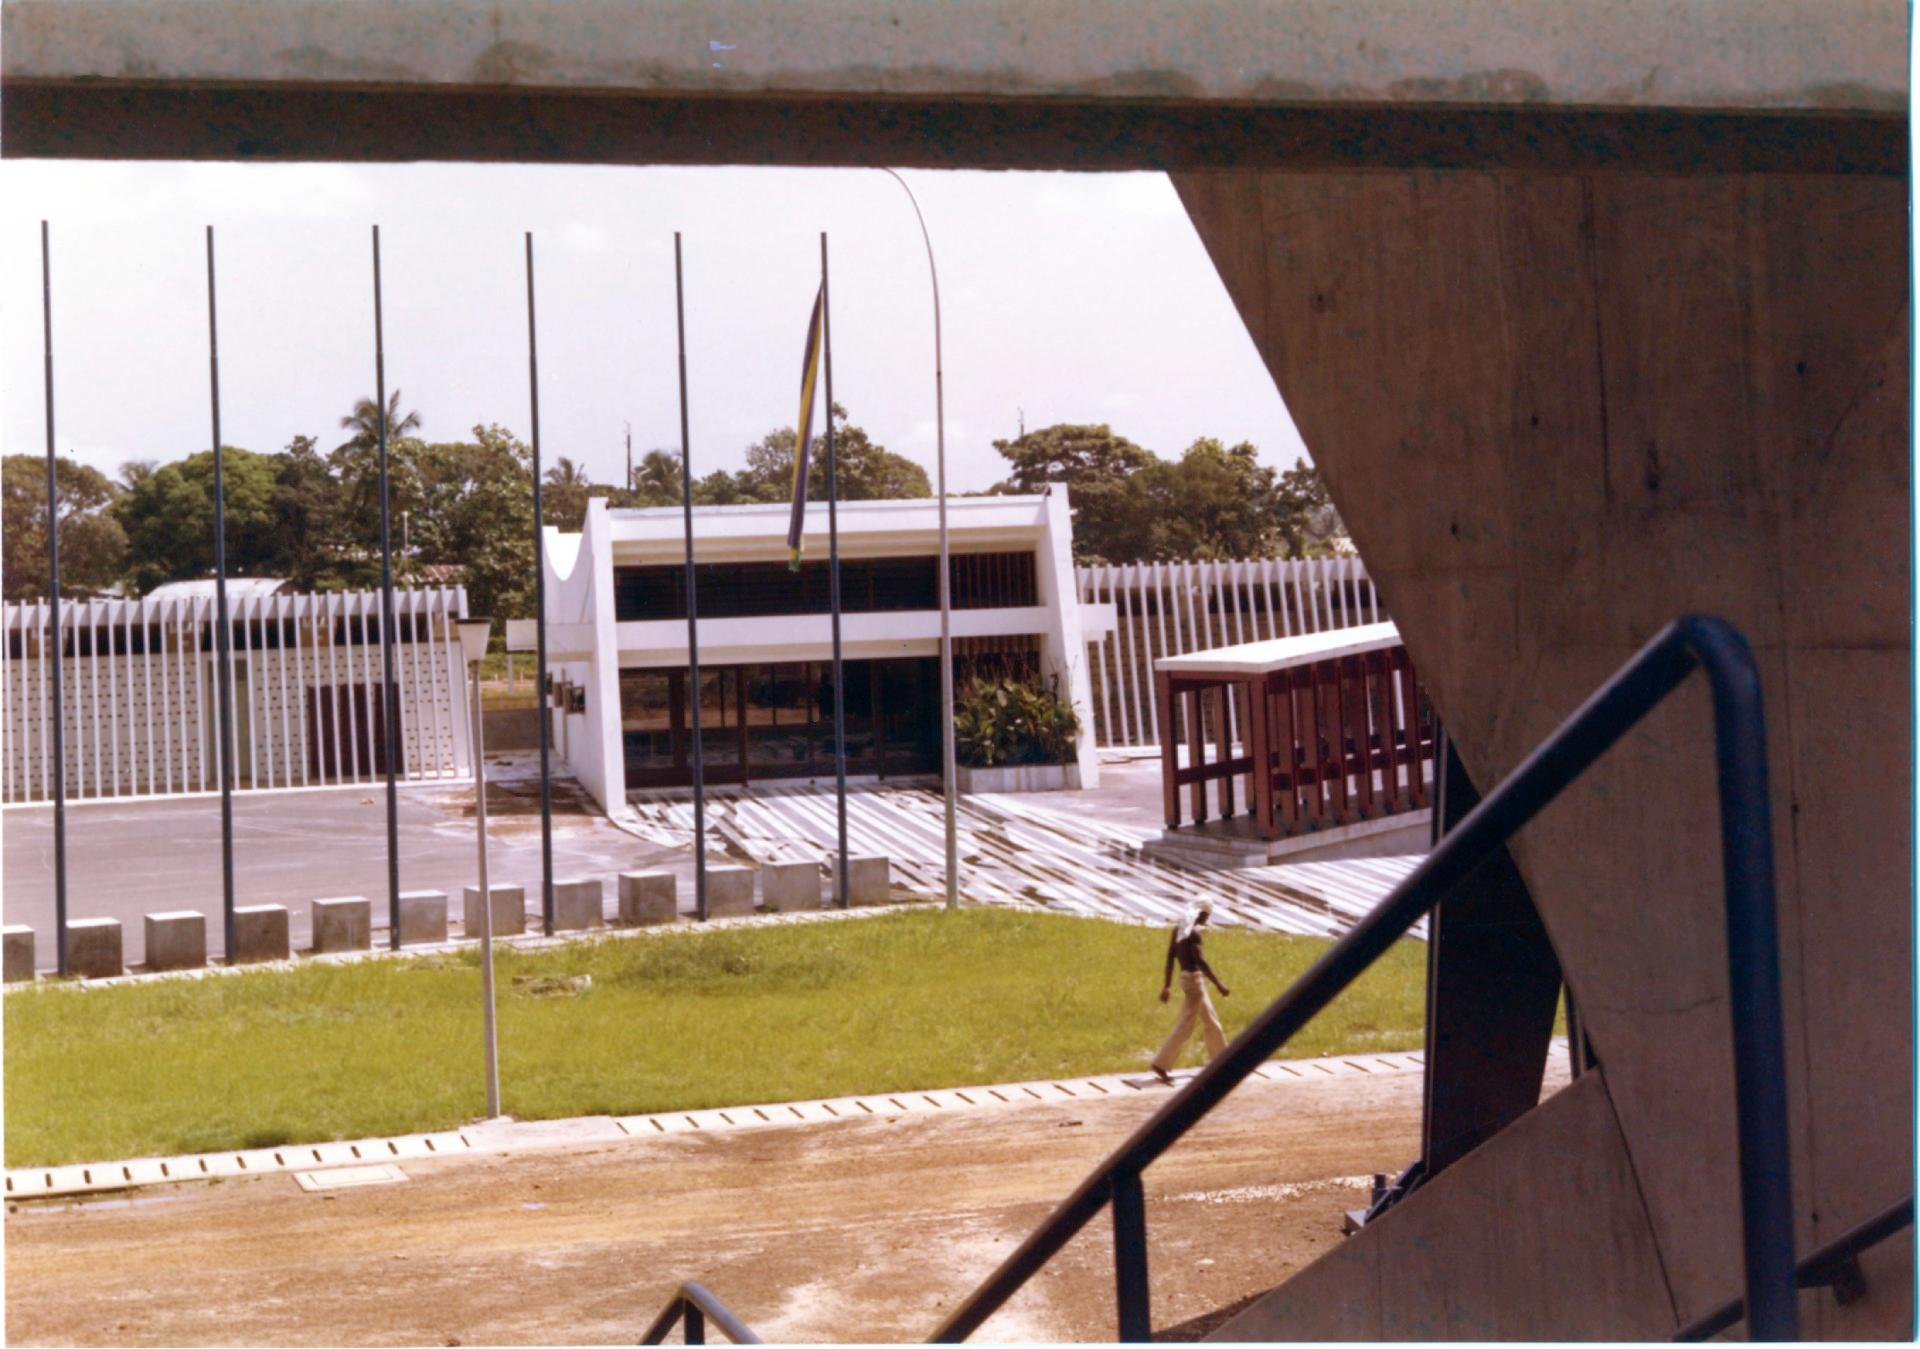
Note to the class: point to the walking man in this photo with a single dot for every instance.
(1195, 1006)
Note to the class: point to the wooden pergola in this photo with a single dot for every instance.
(1332, 728)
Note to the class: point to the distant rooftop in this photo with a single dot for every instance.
(238, 588)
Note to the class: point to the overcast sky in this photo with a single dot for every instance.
(1073, 297)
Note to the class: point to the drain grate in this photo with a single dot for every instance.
(349, 1177)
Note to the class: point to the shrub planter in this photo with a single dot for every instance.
(1026, 777)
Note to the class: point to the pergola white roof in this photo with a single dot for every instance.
(1283, 653)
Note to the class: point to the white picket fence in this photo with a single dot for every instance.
(1172, 608)
(138, 693)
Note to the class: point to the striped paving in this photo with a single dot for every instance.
(505, 1135)
(1017, 852)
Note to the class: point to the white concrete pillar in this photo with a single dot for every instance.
(342, 924)
(93, 948)
(577, 904)
(868, 879)
(176, 940)
(260, 933)
(790, 887)
(18, 963)
(649, 897)
(423, 916)
(509, 910)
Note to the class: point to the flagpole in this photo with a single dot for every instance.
(223, 635)
(53, 594)
(389, 686)
(842, 896)
(540, 631)
(949, 778)
(693, 611)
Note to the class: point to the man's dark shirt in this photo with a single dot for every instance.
(1187, 952)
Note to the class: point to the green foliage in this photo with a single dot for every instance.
(656, 480)
(1213, 502)
(898, 1002)
(476, 511)
(563, 494)
(364, 422)
(168, 518)
(92, 543)
(1013, 721)
(863, 471)
(1098, 468)
(465, 507)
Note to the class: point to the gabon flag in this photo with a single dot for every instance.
(803, 429)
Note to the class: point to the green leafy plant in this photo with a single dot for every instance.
(1013, 721)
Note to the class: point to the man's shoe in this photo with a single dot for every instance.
(1163, 1074)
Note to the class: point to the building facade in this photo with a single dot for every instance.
(617, 636)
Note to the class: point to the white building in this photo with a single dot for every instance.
(617, 635)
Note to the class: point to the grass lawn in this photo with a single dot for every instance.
(679, 1020)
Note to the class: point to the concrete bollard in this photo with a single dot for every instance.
(423, 917)
(648, 897)
(93, 948)
(18, 942)
(176, 940)
(342, 924)
(577, 904)
(260, 933)
(729, 892)
(790, 887)
(868, 879)
(509, 910)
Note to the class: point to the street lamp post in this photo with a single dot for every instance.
(474, 633)
(947, 774)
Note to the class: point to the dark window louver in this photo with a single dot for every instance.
(867, 585)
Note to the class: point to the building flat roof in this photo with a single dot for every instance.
(1283, 653)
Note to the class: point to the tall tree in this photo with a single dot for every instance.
(1310, 523)
(1212, 503)
(168, 518)
(308, 508)
(476, 513)
(865, 471)
(1098, 468)
(92, 544)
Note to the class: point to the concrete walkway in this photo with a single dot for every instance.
(506, 1135)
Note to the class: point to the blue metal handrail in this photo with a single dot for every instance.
(695, 1305)
(1746, 844)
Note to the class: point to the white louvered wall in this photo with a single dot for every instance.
(138, 716)
(1172, 608)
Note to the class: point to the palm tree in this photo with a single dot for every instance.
(566, 494)
(656, 482)
(364, 422)
(566, 474)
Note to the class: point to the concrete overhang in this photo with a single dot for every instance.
(1066, 83)
(867, 529)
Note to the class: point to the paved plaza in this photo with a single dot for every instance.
(1069, 851)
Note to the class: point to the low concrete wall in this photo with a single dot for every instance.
(1029, 777)
(509, 728)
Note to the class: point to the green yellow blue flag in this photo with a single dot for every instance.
(803, 429)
